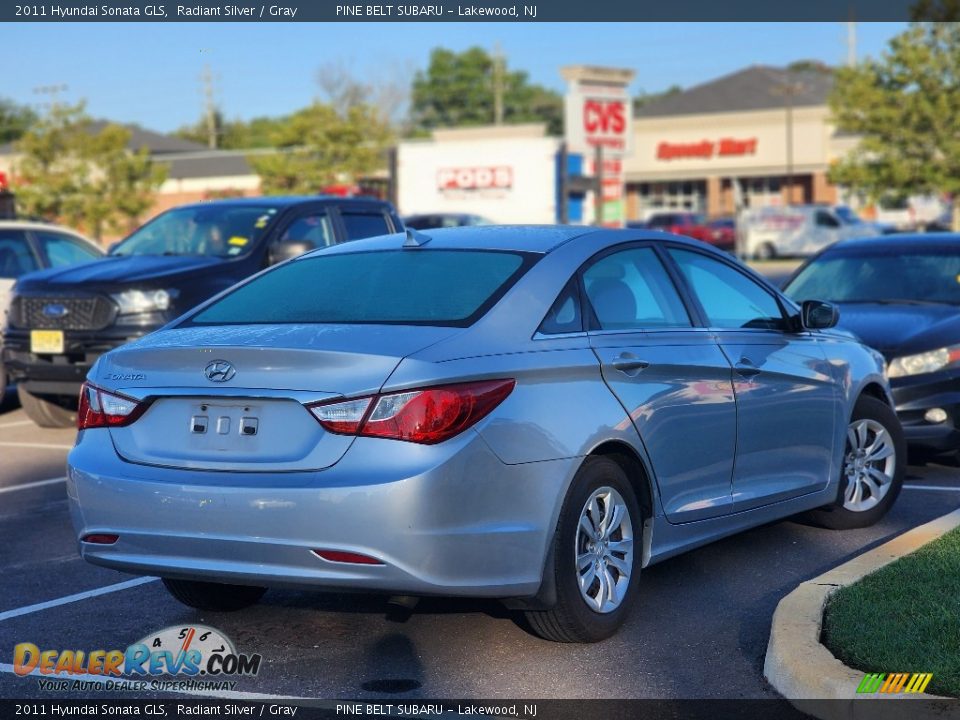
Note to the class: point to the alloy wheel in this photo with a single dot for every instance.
(604, 550)
(869, 464)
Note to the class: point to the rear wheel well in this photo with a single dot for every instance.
(626, 457)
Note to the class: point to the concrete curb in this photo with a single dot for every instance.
(804, 671)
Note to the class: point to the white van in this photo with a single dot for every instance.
(798, 230)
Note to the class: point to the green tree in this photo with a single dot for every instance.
(458, 89)
(14, 120)
(318, 146)
(234, 134)
(71, 173)
(904, 107)
(645, 98)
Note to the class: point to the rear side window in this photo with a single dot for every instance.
(364, 225)
(403, 287)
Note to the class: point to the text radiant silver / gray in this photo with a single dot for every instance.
(532, 414)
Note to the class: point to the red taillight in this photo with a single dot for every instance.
(339, 556)
(100, 538)
(427, 415)
(99, 408)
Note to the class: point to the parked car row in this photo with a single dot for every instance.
(380, 384)
(719, 232)
(63, 318)
(29, 246)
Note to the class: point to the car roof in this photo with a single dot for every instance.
(285, 201)
(899, 241)
(520, 238)
(40, 225)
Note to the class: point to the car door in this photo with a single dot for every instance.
(671, 377)
(785, 391)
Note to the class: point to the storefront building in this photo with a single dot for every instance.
(760, 136)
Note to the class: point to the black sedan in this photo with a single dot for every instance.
(900, 294)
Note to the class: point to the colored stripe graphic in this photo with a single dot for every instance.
(871, 682)
(894, 683)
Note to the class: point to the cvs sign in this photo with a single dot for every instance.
(605, 123)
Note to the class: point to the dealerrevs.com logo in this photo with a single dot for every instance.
(198, 656)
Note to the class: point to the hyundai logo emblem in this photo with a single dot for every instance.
(55, 310)
(219, 371)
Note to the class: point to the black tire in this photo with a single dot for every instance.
(838, 517)
(767, 251)
(571, 619)
(47, 413)
(3, 383)
(213, 596)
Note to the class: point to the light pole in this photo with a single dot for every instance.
(789, 90)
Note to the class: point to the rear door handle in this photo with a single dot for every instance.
(746, 369)
(629, 364)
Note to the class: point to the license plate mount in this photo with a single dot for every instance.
(46, 342)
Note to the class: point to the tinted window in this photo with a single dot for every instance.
(314, 228)
(363, 225)
(420, 287)
(221, 230)
(63, 250)
(728, 297)
(902, 273)
(564, 316)
(825, 219)
(15, 255)
(631, 289)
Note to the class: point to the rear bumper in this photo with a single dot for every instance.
(450, 519)
(58, 374)
(914, 397)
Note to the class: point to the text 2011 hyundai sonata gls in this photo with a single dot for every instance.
(532, 414)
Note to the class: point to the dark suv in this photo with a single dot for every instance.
(62, 320)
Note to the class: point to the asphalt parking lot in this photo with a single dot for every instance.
(700, 629)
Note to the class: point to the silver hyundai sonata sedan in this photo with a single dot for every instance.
(531, 414)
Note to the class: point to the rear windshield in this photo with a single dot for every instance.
(404, 287)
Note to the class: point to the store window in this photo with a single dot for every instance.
(683, 195)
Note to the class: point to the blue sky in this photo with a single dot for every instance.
(149, 73)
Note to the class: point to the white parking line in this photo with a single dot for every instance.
(76, 597)
(42, 446)
(222, 694)
(16, 424)
(38, 483)
(941, 488)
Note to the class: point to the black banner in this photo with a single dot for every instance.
(892, 709)
(477, 10)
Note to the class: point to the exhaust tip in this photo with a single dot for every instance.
(100, 538)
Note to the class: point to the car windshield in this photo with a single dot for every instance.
(847, 215)
(894, 275)
(403, 287)
(217, 230)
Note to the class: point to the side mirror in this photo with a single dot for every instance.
(818, 315)
(281, 251)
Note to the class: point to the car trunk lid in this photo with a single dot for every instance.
(249, 415)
